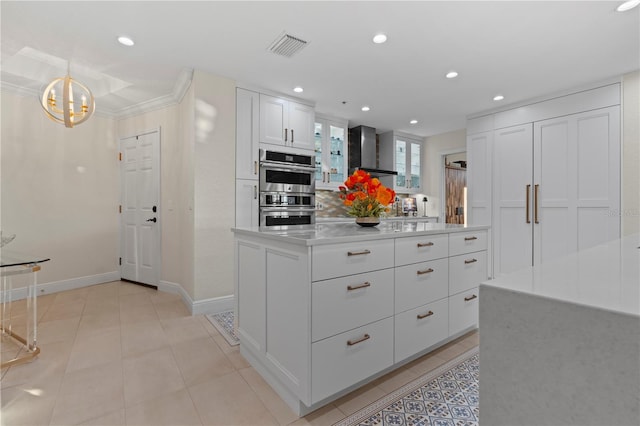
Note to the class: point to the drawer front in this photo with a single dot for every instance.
(467, 271)
(417, 329)
(342, 304)
(467, 242)
(463, 311)
(420, 249)
(338, 260)
(336, 364)
(421, 283)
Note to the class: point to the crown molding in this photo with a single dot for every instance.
(175, 97)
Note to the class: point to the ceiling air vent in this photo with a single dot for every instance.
(287, 45)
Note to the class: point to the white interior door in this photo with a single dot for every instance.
(512, 198)
(140, 216)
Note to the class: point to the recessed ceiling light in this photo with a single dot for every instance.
(498, 98)
(125, 41)
(413, 122)
(628, 5)
(379, 38)
(366, 108)
(452, 74)
(298, 89)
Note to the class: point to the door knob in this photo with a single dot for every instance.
(152, 220)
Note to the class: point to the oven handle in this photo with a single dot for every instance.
(287, 209)
(286, 166)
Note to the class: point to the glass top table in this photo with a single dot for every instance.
(13, 264)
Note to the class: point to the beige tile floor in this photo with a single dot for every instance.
(123, 354)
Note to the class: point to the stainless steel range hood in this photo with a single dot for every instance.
(362, 151)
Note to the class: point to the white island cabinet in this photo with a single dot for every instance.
(326, 308)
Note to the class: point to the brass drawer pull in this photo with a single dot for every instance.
(470, 261)
(428, 314)
(355, 287)
(528, 218)
(429, 244)
(355, 342)
(285, 134)
(358, 253)
(426, 271)
(470, 238)
(467, 299)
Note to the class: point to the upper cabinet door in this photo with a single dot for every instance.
(273, 120)
(301, 123)
(331, 150)
(286, 123)
(402, 153)
(247, 128)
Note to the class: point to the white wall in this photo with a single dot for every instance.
(59, 190)
(631, 153)
(214, 180)
(435, 146)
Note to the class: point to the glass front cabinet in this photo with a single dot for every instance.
(331, 152)
(402, 153)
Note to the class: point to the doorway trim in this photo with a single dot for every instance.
(443, 185)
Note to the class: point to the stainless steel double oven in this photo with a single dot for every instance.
(287, 189)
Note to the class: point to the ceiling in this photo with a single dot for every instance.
(521, 50)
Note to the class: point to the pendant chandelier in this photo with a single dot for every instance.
(67, 112)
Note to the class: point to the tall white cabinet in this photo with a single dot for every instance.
(547, 177)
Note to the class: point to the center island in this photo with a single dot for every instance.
(324, 309)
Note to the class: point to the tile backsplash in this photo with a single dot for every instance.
(332, 205)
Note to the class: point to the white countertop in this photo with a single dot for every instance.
(331, 233)
(606, 277)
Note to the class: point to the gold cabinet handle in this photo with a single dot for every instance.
(535, 203)
(355, 342)
(467, 261)
(527, 204)
(286, 132)
(355, 287)
(328, 177)
(291, 135)
(255, 167)
(429, 244)
(358, 253)
(425, 271)
(470, 238)
(467, 299)
(428, 314)
(255, 192)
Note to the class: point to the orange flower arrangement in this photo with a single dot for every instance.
(365, 196)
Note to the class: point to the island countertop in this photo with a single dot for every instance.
(604, 277)
(331, 233)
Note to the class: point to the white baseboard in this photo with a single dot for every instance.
(206, 306)
(63, 285)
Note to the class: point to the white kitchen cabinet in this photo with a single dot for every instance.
(286, 123)
(403, 153)
(246, 203)
(322, 318)
(332, 150)
(247, 129)
(546, 176)
(555, 185)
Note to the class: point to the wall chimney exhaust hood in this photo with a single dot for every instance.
(362, 151)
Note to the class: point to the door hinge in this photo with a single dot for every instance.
(120, 208)
(120, 261)
(119, 156)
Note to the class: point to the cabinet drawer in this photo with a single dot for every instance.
(338, 260)
(467, 271)
(344, 303)
(417, 329)
(343, 360)
(421, 283)
(420, 249)
(467, 242)
(463, 311)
